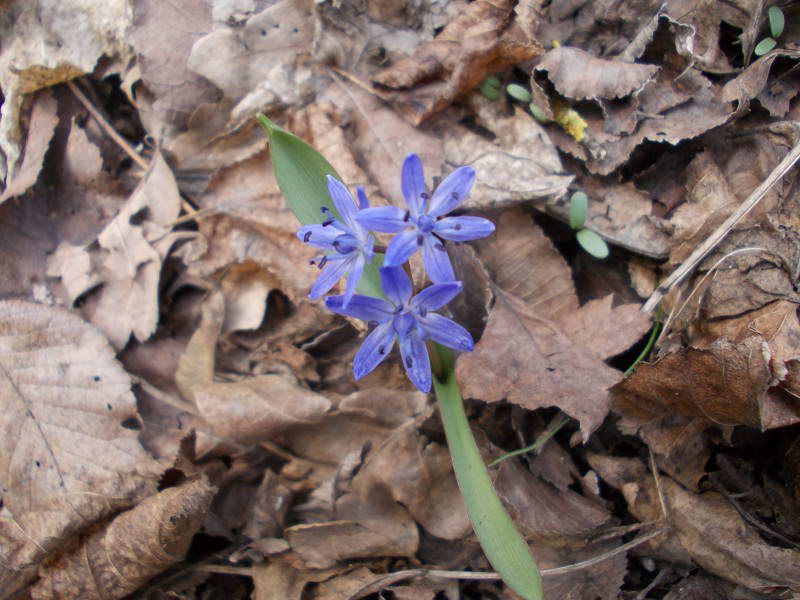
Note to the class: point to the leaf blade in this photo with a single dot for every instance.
(592, 243)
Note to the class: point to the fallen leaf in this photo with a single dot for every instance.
(752, 81)
(125, 259)
(133, 548)
(526, 354)
(579, 75)
(483, 39)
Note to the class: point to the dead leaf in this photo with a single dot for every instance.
(750, 83)
(125, 259)
(579, 75)
(483, 39)
(526, 354)
(247, 410)
(135, 546)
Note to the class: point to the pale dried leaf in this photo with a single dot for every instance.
(133, 548)
(579, 75)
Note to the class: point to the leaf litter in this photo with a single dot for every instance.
(181, 419)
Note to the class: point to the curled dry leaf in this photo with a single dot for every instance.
(133, 548)
(485, 38)
(248, 410)
(581, 76)
(750, 82)
(704, 527)
(529, 353)
(67, 454)
(125, 259)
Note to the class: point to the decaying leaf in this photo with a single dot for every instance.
(125, 259)
(69, 455)
(705, 527)
(246, 410)
(483, 39)
(750, 83)
(529, 353)
(579, 75)
(134, 547)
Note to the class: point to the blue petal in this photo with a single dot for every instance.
(446, 332)
(352, 279)
(396, 285)
(343, 202)
(374, 350)
(331, 273)
(401, 248)
(318, 236)
(361, 307)
(437, 262)
(463, 229)
(436, 296)
(452, 191)
(416, 361)
(413, 183)
(363, 201)
(388, 219)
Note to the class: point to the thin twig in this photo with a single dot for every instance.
(661, 500)
(715, 238)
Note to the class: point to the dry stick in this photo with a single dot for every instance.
(112, 133)
(715, 238)
(470, 575)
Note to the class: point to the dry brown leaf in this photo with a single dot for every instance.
(125, 259)
(42, 124)
(247, 410)
(579, 75)
(245, 288)
(483, 39)
(526, 353)
(69, 454)
(136, 546)
(752, 81)
(706, 527)
(30, 60)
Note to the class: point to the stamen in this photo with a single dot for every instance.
(425, 196)
(327, 222)
(454, 195)
(323, 261)
(457, 226)
(420, 239)
(325, 210)
(409, 362)
(439, 246)
(423, 312)
(313, 261)
(372, 323)
(381, 350)
(307, 236)
(406, 217)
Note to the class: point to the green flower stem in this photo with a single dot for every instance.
(504, 546)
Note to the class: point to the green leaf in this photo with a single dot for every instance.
(764, 46)
(578, 210)
(503, 545)
(302, 174)
(490, 87)
(592, 243)
(776, 21)
(538, 114)
(519, 92)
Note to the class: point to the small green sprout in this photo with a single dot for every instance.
(519, 92)
(589, 240)
(490, 88)
(776, 24)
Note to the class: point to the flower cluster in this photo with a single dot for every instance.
(349, 245)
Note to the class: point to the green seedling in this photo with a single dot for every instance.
(490, 88)
(589, 240)
(776, 24)
(518, 92)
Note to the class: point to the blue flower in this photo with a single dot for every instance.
(406, 319)
(422, 224)
(349, 244)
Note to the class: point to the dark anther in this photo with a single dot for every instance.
(381, 350)
(457, 227)
(327, 222)
(324, 210)
(423, 312)
(323, 261)
(425, 196)
(307, 236)
(439, 246)
(372, 323)
(420, 239)
(335, 243)
(406, 217)
(312, 261)
(454, 195)
(409, 362)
